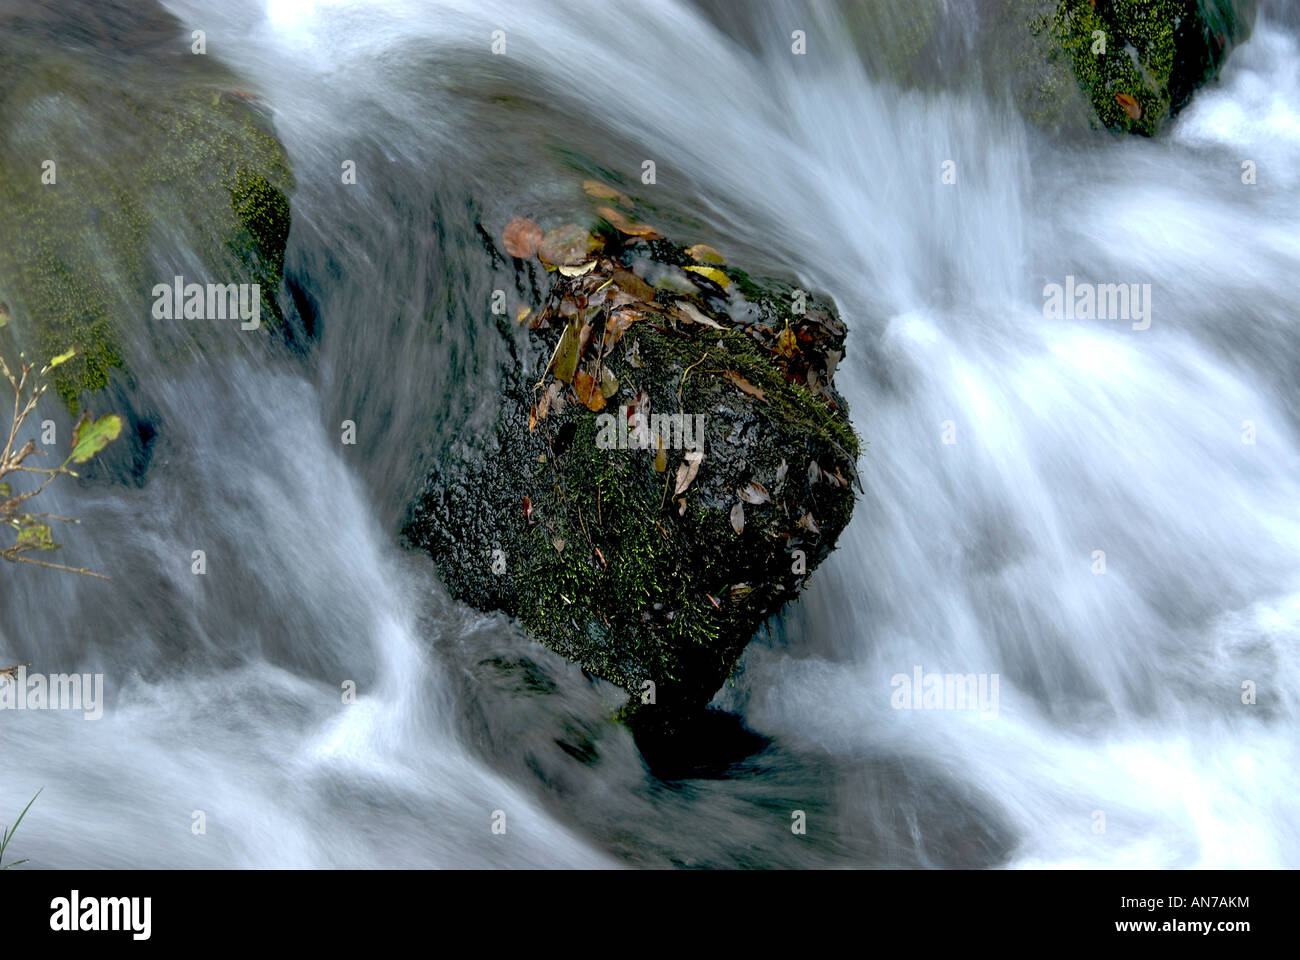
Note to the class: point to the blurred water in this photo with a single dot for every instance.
(1119, 693)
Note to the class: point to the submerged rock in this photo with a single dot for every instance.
(122, 156)
(671, 460)
(1135, 62)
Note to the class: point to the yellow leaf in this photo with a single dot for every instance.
(62, 358)
(714, 274)
(703, 253)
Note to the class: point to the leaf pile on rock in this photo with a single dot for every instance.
(671, 458)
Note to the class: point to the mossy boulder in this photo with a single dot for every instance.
(583, 515)
(1127, 65)
(159, 163)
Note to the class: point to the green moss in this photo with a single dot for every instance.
(1155, 51)
(138, 176)
(657, 606)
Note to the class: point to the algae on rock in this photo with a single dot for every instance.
(582, 515)
(153, 164)
(1127, 65)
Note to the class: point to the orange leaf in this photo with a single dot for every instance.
(588, 391)
(1130, 105)
(624, 225)
(521, 237)
(745, 386)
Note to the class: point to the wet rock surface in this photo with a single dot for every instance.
(670, 462)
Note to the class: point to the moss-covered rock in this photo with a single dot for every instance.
(158, 159)
(1127, 65)
(570, 519)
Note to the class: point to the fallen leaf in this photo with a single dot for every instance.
(714, 274)
(814, 471)
(832, 363)
(578, 271)
(754, 492)
(738, 518)
(624, 225)
(630, 283)
(617, 325)
(528, 509)
(521, 237)
(585, 386)
(1130, 105)
(600, 555)
(633, 356)
(532, 418)
(566, 361)
(594, 188)
(661, 458)
(703, 253)
(692, 314)
(522, 314)
(558, 543)
(608, 383)
(551, 397)
(745, 386)
(787, 344)
(808, 523)
(567, 245)
(781, 472)
(584, 336)
(681, 507)
(690, 466)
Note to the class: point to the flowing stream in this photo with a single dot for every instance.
(1120, 693)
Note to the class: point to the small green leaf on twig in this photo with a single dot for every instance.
(91, 436)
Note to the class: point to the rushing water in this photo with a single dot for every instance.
(1119, 693)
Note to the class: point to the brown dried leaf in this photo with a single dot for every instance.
(692, 314)
(578, 271)
(585, 386)
(661, 458)
(690, 466)
(738, 518)
(567, 245)
(624, 225)
(754, 492)
(809, 524)
(617, 325)
(630, 283)
(633, 356)
(745, 386)
(549, 396)
(521, 237)
(594, 188)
